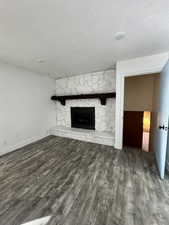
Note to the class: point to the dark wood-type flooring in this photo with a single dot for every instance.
(81, 183)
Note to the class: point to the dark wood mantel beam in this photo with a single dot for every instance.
(102, 96)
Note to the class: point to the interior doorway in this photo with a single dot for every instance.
(140, 97)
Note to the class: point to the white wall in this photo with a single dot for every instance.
(99, 82)
(138, 93)
(26, 111)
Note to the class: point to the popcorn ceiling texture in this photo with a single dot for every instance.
(98, 82)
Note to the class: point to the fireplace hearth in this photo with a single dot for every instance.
(83, 117)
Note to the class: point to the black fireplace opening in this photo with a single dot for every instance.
(83, 117)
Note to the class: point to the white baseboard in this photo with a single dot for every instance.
(21, 144)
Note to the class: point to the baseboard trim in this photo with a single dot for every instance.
(21, 144)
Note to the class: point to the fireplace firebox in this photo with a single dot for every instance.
(83, 117)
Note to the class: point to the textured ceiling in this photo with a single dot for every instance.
(62, 38)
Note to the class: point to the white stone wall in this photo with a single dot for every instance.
(98, 82)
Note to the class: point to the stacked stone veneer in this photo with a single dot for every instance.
(98, 82)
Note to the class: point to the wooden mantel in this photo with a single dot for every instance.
(102, 96)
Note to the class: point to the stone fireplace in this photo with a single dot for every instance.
(86, 119)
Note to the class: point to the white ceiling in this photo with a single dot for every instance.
(77, 36)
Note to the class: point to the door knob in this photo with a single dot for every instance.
(163, 128)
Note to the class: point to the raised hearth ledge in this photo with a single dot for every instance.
(40, 221)
(99, 137)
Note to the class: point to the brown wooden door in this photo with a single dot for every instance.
(133, 129)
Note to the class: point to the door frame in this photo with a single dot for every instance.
(133, 67)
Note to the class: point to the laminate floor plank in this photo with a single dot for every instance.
(80, 183)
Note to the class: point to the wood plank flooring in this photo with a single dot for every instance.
(81, 183)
